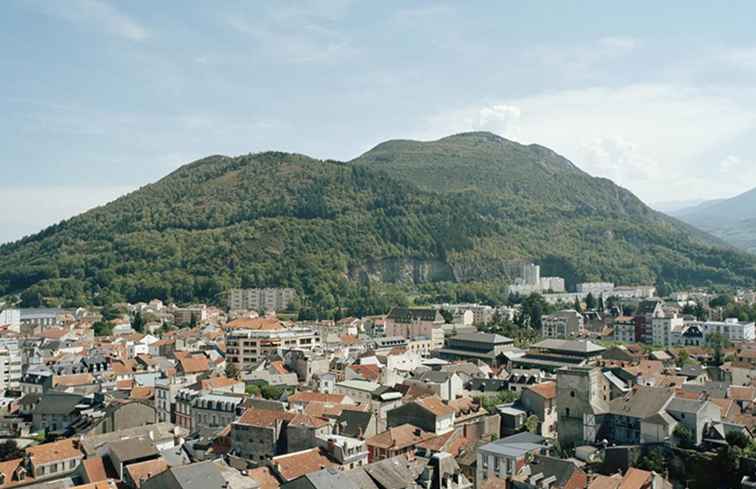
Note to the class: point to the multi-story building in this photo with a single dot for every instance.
(624, 329)
(595, 288)
(260, 299)
(416, 322)
(731, 329)
(648, 310)
(10, 317)
(165, 396)
(250, 340)
(41, 317)
(10, 364)
(583, 397)
(565, 324)
(663, 328)
(553, 284)
(504, 458)
(260, 434)
(190, 315)
(216, 410)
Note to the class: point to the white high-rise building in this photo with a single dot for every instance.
(531, 274)
(260, 299)
(553, 284)
(10, 364)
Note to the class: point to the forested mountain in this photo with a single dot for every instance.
(732, 220)
(461, 209)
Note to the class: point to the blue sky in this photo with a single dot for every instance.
(99, 97)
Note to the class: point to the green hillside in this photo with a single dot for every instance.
(462, 209)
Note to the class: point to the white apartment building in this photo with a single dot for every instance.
(664, 330)
(554, 284)
(565, 324)
(10, 317)
(245, 347)
(260, 299)
(732, 329)
(595, 288)
(10, 364)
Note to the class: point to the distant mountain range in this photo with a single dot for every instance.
(732, 220)
(461, 209)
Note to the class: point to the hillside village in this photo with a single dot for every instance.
(614, 388)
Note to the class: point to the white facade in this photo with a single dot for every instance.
(259, 299)
(10, 317)
(732, 329)
(595, 288)
(663, 328)
(554, 284)
(624, 331)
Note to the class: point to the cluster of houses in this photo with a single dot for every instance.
(407, 400)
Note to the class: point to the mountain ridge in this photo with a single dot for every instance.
(398, 214)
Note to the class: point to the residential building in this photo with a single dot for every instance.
(271, 300)
(215, 410)
(597, 289)
(696, 415)
(623, 329)
(566, 324)
(428, 413)
(647, 311)
(663, 328)
(731, 329)
(399, 440)
(629, 414)
(165, 395)
(260, 434)
(10, 317)
(54, 459)
(541, 400)
(412, 323)
(249, 341)
(504, 458)
(553, 473)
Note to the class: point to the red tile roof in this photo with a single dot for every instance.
(259, 324)
(94, 468)
(546, 390)
(142, 471)
(435, 406)
(58, 450)
(309, 396)
(194, 364)
(399, 437)
(293, 465)
(264, 417)
(264, 477)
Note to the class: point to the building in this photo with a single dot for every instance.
(400, 440)
(566, 324)
(260, 434)
(249, 341)
(10, 364)
(41, 317)
(487, 347)
(428, 413)
(648, 310)
(596, 289)
(10, 317)
(662, 329)
(56, 411)
(623, 329)
(215, 410)
(541, 400)
(504, 458)
(54, 459)
(406, 322)
(583, 400)
(274, 299)
(550, 355)
(731, 329)
(165, 396)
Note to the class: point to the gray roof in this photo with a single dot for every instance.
(133, 449)
(562, 470)
(335, 479)
(483, 338)
(355, 423)
(202, 475)
(60, 403)
(576, 346)
(686, 405)
(435, 377)
(515, 445)
(643, 402)
(393, 473)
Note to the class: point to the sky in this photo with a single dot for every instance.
(99, 97)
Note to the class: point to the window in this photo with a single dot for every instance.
(567, 411)
(572, 393)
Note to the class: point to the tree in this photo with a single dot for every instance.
(232, 372)
(447, 315)
(682, 358)
(532, 423)
(601, 307)
(590, 301)
(9, 451)
(102, 328)
(684, 436)
(737, 439)
(720, 301)
(718, 343)
(578, 306)
(137, 322)
(653, 461)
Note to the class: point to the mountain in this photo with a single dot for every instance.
(464, 209)
(671, 207)
(732, 220)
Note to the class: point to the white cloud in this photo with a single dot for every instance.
(98, 14)
(655, 139)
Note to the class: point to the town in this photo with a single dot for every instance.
(606, 387)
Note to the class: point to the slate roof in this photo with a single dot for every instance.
(133, 448)
(483, 338)
(393, 473)
(58, 403)
(642, 402)
(354, 423)
(202, 475)
(575, 346)
(409, 314)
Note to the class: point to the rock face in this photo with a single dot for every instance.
(403, 270)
